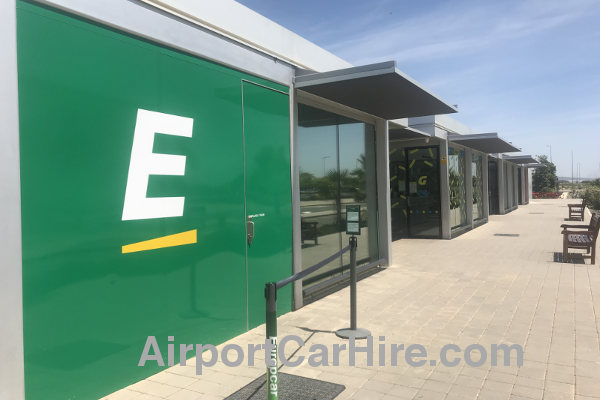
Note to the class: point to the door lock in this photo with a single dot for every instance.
(250, 230)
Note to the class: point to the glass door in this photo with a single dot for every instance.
(423, 188)
(415, 192)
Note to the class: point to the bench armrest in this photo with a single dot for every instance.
(575, 226)
(566, 232)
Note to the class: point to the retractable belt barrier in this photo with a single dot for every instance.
(310, 270)
(271, 320)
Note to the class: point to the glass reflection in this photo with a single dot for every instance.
(337, 168)
(415, 191)
(477, 171)
(456, 169)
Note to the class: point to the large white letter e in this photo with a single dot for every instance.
(145, 163)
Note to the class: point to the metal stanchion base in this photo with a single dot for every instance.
(357, 333)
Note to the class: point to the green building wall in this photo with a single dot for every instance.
(89, 305)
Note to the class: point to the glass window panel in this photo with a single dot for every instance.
(477, 171)
(358, 186)
(319, 210)
(456, 170)
(336, 156)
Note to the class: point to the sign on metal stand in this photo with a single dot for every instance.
(353, 228)
(353, 220)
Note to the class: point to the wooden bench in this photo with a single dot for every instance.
(581, 237)
(577, 211)
(310, 231)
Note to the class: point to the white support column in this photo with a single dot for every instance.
(12, 382)
(383, 189)
(501, 195)
(296, 219)
(444, 190)
(469, 185)
(486, 193)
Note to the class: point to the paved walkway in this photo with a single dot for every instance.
(475, 289)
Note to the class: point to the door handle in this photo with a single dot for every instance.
(250, 230)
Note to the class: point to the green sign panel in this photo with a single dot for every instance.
(135, 198)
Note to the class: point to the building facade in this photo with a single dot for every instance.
(161, 162)
(446, 179)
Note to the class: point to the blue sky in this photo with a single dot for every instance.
(527, 69)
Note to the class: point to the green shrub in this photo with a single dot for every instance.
(592, 195)
(544, 177)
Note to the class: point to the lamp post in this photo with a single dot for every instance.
(572, 180)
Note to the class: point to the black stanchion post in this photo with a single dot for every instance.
(353, 228)
(353, 244)
(271, 334)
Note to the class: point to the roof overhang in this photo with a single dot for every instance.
(484, 142)
(377, 89)
(522, 159)
(536, 165)
(400, 133)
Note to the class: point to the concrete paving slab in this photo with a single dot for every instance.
(478, 290)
